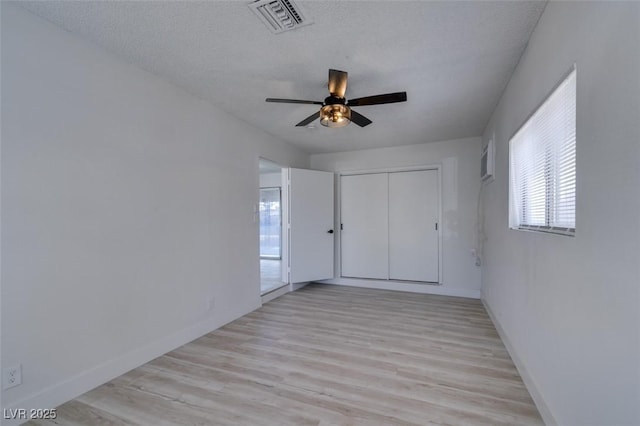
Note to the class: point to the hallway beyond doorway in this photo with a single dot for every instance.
(270, 275)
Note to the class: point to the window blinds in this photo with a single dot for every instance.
(543, 165)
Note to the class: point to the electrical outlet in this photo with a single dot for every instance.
(12, 376)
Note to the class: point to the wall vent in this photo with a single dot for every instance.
(279, 15)
(487, 159)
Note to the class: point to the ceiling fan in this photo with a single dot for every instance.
(336, 109)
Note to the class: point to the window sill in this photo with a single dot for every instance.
(567, 232)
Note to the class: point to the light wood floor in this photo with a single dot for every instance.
(326, 355)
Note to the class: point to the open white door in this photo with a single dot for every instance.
(310, 218)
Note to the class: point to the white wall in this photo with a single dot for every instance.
(270, 180)
(126, 205)
(569, 307)
(460, 162)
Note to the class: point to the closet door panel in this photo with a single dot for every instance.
(364, 216)
(413, 214)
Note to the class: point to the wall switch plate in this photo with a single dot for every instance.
(12, 376)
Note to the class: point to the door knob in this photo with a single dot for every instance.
(330, 231)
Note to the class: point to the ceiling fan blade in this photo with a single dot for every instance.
(338, 83)
(309, 119)
(360, 119)
(293, 101)
(388, 98)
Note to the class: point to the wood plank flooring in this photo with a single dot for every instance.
(326, 355)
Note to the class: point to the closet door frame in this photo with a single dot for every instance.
(337, 251)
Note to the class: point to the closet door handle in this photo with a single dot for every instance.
(330, 231)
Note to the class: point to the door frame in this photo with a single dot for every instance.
(338, 241)
(256, 219)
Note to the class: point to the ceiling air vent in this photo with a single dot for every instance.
(279, 15)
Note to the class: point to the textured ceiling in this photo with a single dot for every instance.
(452, 58)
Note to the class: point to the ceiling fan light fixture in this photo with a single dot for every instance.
(336, 110)
(336, 115)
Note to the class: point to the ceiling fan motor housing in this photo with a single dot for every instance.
(334, 100)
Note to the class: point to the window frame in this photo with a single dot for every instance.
(515, 211)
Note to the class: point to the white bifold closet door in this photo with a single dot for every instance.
(390, 226)
(364, 216)
(413, 234)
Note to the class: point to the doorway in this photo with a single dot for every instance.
(270, 219)
(270, 223)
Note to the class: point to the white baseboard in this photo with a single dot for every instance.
(529, 383)
(275, 293)
(442, 290)
(75, 386)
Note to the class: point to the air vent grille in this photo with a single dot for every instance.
(279, 15)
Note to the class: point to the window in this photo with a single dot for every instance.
(543, 165)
